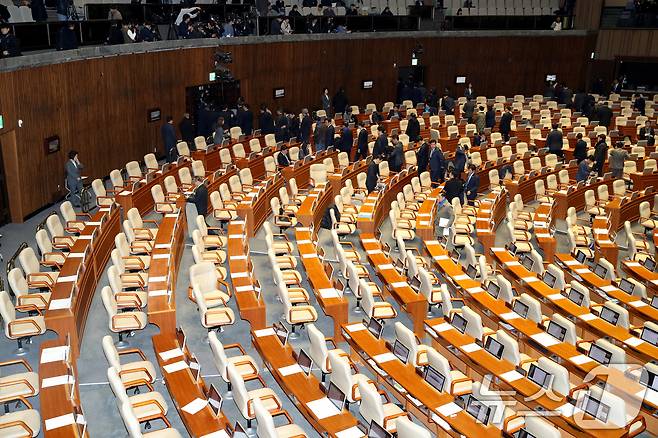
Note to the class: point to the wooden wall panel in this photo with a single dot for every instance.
(626, 42)
(99, 106)
(588, 14)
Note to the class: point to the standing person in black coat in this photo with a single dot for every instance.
(423, 156)
(580, 150)
(9, 45)
(453, 188)
(362, 143)
(396, 158)
(600, 155)
(281, 127)
(346, 140)
(448, 103)
(169, 138)
(67, 39)
(186, 128)
(640, 104)
(554, 141)
(490, 117)
(460, 160)
(265, 120)
(305, 127)
(372, 175)
(469, 107)
(413, 128)
(283, 159)
(506, 123)
(437, 163)
(340, 101)
(293, 125)
(381, 144)
(603, 114)
(331, 133)
(245, 119)
(472, 184)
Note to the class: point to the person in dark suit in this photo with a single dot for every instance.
(186, 129)
(381, 144)
(320, 135)
(293, 125)
(469, 107)
(362, 143)
(506, 123)
(600, 155)
(265, 121)
(579, 101)
(640, 104)
(580, 150)
(437, 162)
(372, 175)
(305, 127)
(9, 45)
(339, 101)
(423, 156)
(396, 158)
(448, 103)
(281, 132)
(168, 133)
(326, 101)
(554, 142)
(472, 184)
(469, 93)
(346, 140)
(245, 119)
(67, 40)
(584, 169)
(73, 169)
(603, 114)
(490, 117)
(616, 87)
(413, 128)
(453, 188)
(460, 159)
(283, 159)
(331, 133)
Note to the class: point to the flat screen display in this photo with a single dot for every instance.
(305, 362)
(576, 297)
(434, 378)
(471, 271)
(549, 279)
(551, 77)
(215, 399)
(400, 351)
(600, 270)
(626, 286)
(376, 431)
(599, 354)
(459, 322)
(595, 408)
(493, 289)
(528, 262)
(478, 410)
(336, 396)
(51, 144)
(650, 336)
(375, 327)
(556, 330)
(281, 332)
(609, 315)
(367, 85)
(520, 308)
(650, 264)
(649, 379)
(580, 256)
(494, 347)
(460, 79)
(539, 376)
(279, 93)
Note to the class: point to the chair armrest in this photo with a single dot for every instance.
(235, 346)
(16, 362)
(331, 342)
(639, 430)
(139, 260)
(136, 351)
(28, 308)
(573, 390)
(134, 301)
(250, 404)
(23, 322)
(508, 420)
(31, 296)
(393, 417)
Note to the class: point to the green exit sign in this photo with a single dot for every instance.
(2, 122)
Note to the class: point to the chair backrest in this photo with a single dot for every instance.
(7, 310)
(408, 339)
(225, 156)
(130, 421)
(218, 353)
(151, 162)
(157, 194)
(116, 178)
(521, 147)
(511, 351)
(183, 149)
(623, 319)
(570, 336)
(238, 151)
(170, 185)
(408, 429)
(203, 277)
(117, 386)
(240, 394)
(618, 358)
(110, 304)
(341, 375)
(54, 225)
(265, 424)
(235, 184)
(559, 276)
(200, 143)
(619, 187)
(28, 260)
(198, 170)
(318, 347)
(98, 187)
(536, 426)
(68, 213)
(135, 218)
(534, 307)
(474, 325)
(318, 173)
(17, 282)
(246, 177)
(371, 407)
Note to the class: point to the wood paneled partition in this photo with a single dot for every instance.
(99, 106)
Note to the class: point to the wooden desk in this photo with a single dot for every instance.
(642, 181)
(643, 275)
(314, 205)
(336, 307)
(542, 229)
(395, 284)
(84, 265)
(184, 389)
(418, 397)
(300, 389)
(55, 400)
(639, 310)
(589, 323)
(426, 214)
(301, 170)
(250, 305)
(604, 244)
(627, 210)
(376, 206)
(163, 271)
(526, 187)
(139, 194)
(462, 349)
(337, 179)
(490, 213)
(255, 207)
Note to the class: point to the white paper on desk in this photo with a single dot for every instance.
(444, 222)
(235, 236)
(310, 256)
(239, 274)
(352, 432)
(582, 271)
(162, 245)
(512, 263)
(543, 235)
(511, 376)
(364, 215)
(93, 223)
(587, 316)
(385, 267)
(355, 327)
(398, 284)
(571, 262)
(498, 249)
(637, 303)
(373, 251)
(62, 303)
(161, 256)
(609, 288)
(67, 279)
(218, 434)
(54, 354)
(384, 357)
(634, 264)
(170, 354)
(171, 215)
(443, 327)
(291, 369)
(176, 366)
(449, 409)
(195, 406)
(64, 379)
(61, 421)
(442, 257)
(369, 240)
(633, 341)
(86, 237)
(474, 290)
(461, 277)
(329, 292)
(303, 242)
(238, 257)
(158, 293)
(264, 332)
(470, 348)
(104, 210)
(323, 408)
(544, 339)
(509, 316)
(157, 279)
(248, 288)
(530, 279)
(76, 255)
(580, 359)
(555, 297)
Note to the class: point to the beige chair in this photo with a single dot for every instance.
(74, 222)
(19, 385)
(163, 204)
(318, 351)
(36, 279)
(139, 225)
(265, 424)
(49, 257)
(183, 149)
(255, 146)
(131, 373)
(214, 317)
(244, 364)
(200, 143)
(238, 151)
(151, 163)
(25, 299)
(102, 194)
(122, 323)
(373, 409)
(146, 406)
(133, 258)
(374, 309)
(244, 399)
(23, 328)
(207, 282)
(116, 179)
(134, 430)
(225, 157)
(210, 240)
(343, 378)
(417, 351)
(25, 423)
(60, 239)
(456, 383)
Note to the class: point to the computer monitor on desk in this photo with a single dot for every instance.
(576, 297)
(376, 431)
(478, 410)
(539, 376)
(600, 270)
(494, 347)
(650, 336)
(215, 400)
(520, 308)
(556, 330)
(375, 327)
(493, 289)
(609, 315)
(459, 322)
(595, 408)
(305, 362)
(626, 286)
(599, 354)
(650, 264)
(434, 378)
(400, 351)
(336, 396)
(549, 279)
